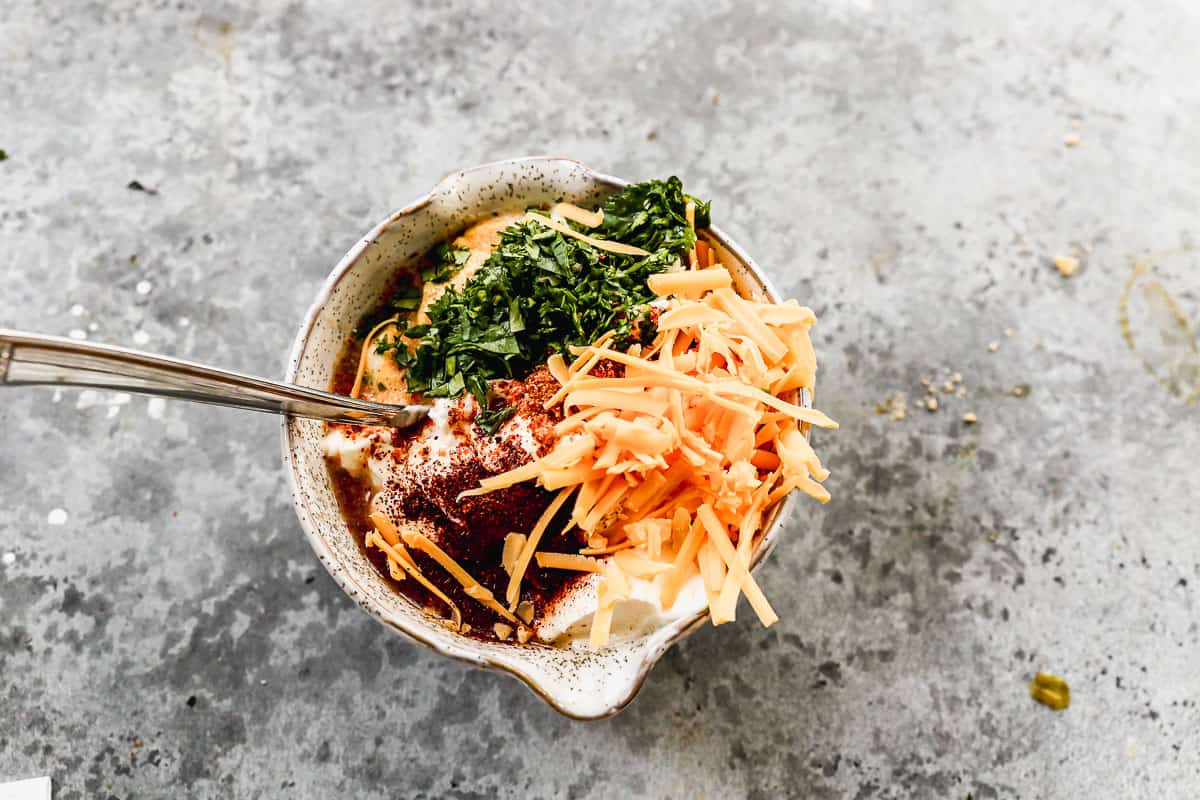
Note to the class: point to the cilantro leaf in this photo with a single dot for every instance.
(445, 263)
(407, 298)
(490, 421)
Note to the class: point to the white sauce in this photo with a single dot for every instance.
(440, 436)
(641, 614)
(349, 452)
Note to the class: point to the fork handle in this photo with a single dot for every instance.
(28, 359)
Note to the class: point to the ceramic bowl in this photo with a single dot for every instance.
(574, 680)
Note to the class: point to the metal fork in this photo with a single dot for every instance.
(28, 359)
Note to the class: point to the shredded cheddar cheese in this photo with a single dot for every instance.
(588, 219)
(690, 284)
(579, 563)
(368, 343)
(391, 540)
(473, 588)
(514, 543)
(513, 594)
(689, 213)
(674, 465)
(374, 539)
(599, 244)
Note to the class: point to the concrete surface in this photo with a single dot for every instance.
(165, 630)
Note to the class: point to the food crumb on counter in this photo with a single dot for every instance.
(1050, 690)
(931, 403)
(993, 346)
(1066, 265)
(893, 405)
(1071, 139)
(970, 418)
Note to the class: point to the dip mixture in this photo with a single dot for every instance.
(611, 424)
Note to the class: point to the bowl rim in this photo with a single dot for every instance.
(649, 656)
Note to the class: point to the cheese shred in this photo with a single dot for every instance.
(366, 351)
(599, 244)
(581, 216)
(513, 595)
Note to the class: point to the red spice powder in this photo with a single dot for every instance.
(471, 530)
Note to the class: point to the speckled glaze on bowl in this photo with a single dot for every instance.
(575, 681)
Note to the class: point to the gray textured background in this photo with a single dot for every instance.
(902, 170)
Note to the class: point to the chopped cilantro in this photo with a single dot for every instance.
(540, 293)
(3, 154)
(490, 421)
(650, 215)
(408, 298)
(395, 347)
(446, 262)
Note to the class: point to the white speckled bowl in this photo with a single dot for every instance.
(574, 680)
